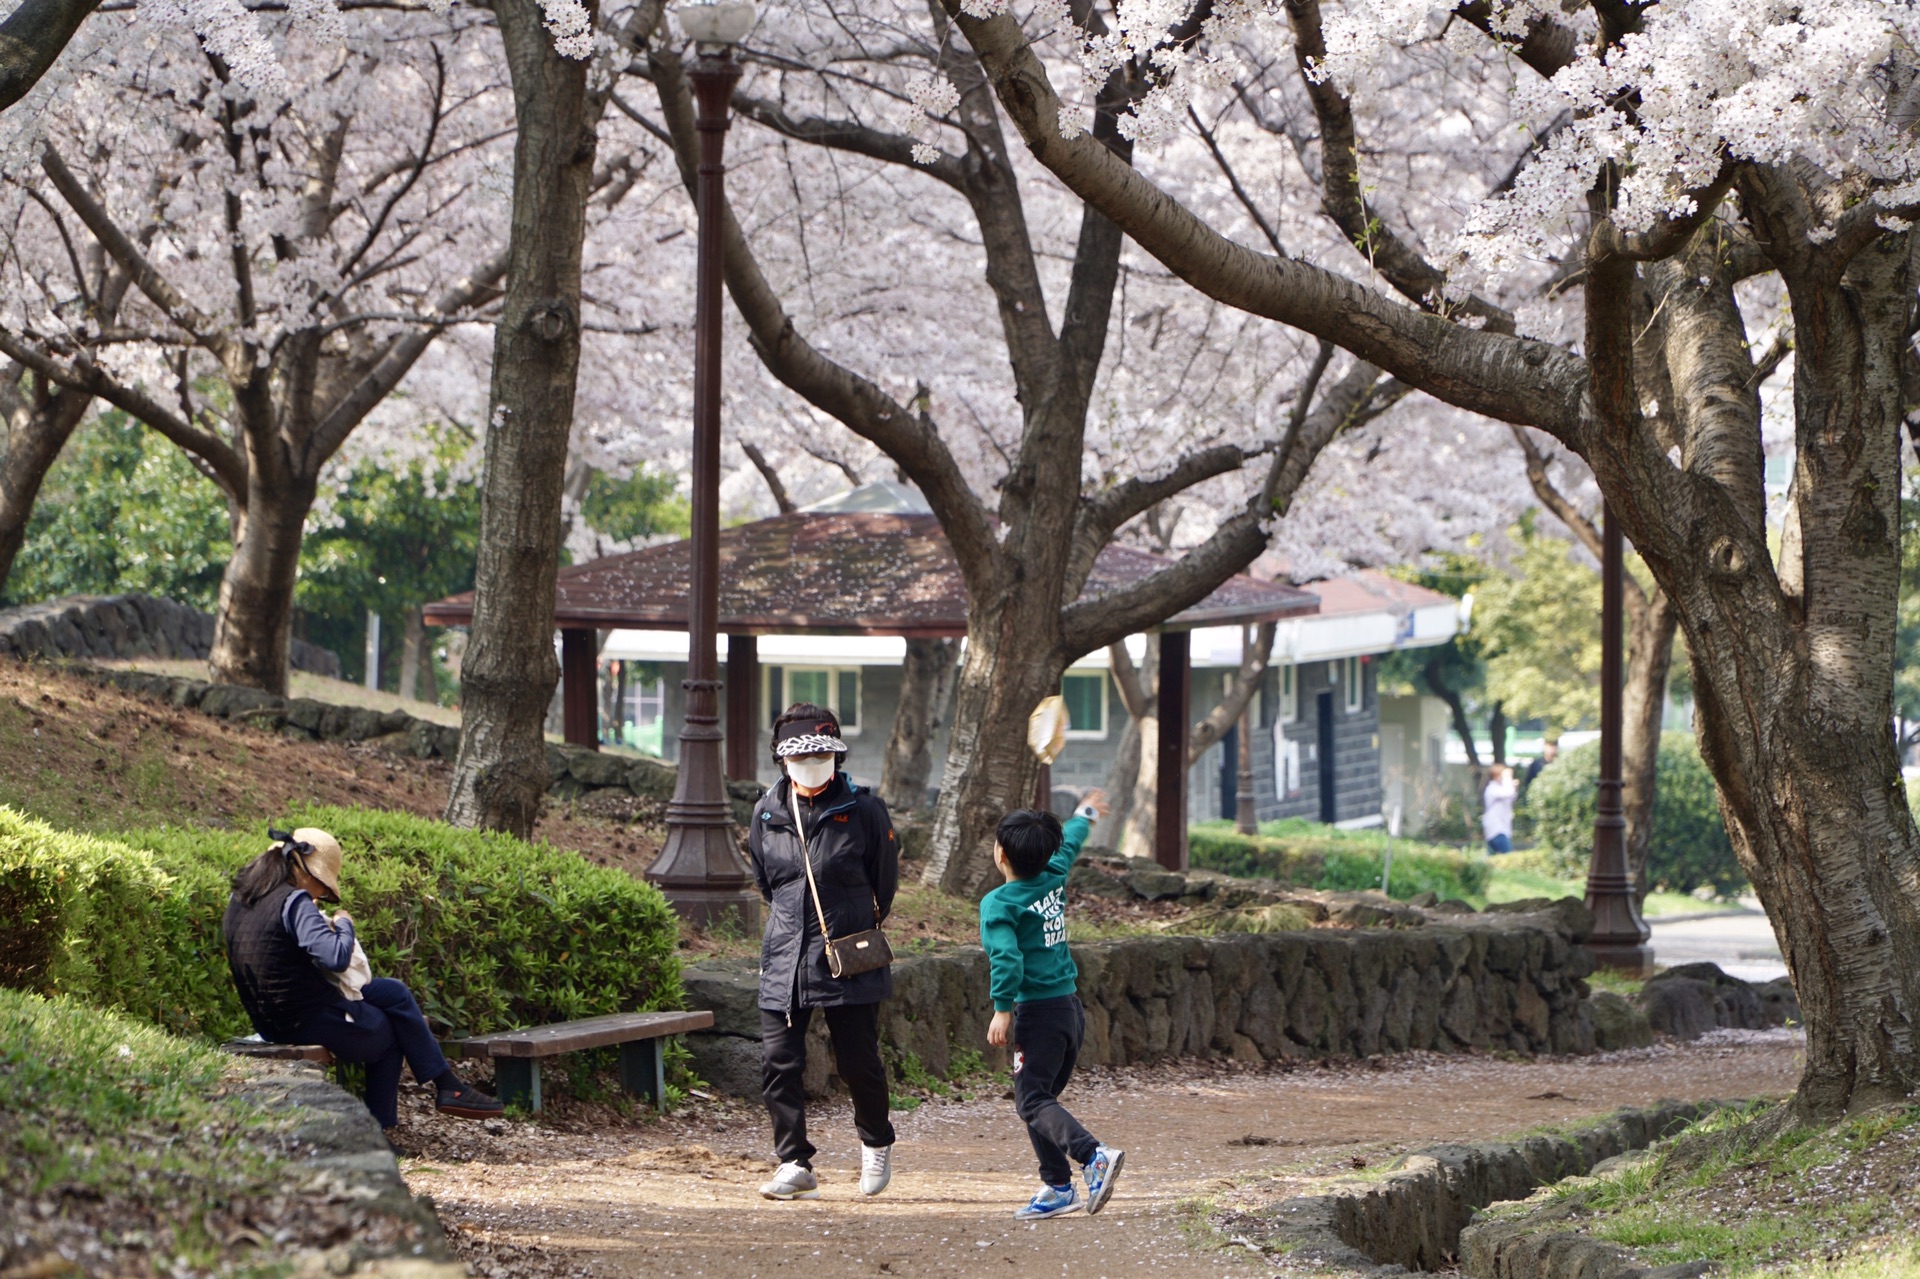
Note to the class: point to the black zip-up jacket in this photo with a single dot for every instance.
(856, 862)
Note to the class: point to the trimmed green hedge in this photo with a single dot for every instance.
(1316, 856)
(488, 931)
(1690, 846)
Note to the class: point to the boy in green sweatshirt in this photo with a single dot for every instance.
(1023, 925)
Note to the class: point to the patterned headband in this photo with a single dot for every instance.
(810, 744)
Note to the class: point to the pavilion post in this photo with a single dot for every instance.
(579, 687)
(743, 701)
(1170, 803)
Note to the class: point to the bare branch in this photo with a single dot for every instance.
(847, 135)
(771, 476)
(31, 39)
(1253, 665)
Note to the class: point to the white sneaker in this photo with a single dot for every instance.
(792, 1181)
(876, 1168)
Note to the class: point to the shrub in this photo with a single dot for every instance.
(112, 925)
(488, 931)
(1316, 856)
(1690, 846)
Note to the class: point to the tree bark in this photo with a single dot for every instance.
(926, 689)
(40, 424)
(253, 622)
(31, 39)
(510, 671)
(1497, 731)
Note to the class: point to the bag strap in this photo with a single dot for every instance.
(806, 859)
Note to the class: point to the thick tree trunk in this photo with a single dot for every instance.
(1009, 667)
(253, 624)
(37, 431)
(1644, 701)
(1497, 732)
(926, 688)
(510, 671)
(1121, 775)
(1793, 667)
(1143, 803)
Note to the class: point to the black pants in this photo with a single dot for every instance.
(1046, 1045)
(383, 1029)
(855, 1031)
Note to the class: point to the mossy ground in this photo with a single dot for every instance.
(1756, 1195)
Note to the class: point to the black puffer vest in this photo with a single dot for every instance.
(856, 862)
(279, 983)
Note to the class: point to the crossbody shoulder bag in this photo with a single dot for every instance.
(855, 953)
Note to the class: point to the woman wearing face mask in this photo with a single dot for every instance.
(847, 838)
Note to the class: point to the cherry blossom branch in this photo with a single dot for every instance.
(1341, 192)
(146, 277)
(911, 440)
(846, 135)
(82, 374)
(1240, 192)
(1547, 46)
(1096, 623)
(1253, 665)
(383, 372)
(31, 38)
(1507, 378)
(781, 500)
(378, 222)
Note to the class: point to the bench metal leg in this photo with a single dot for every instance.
(643, 1071)
(518, 1079)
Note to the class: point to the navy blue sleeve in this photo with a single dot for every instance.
(331, 950)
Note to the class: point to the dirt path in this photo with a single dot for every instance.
(675, 1197)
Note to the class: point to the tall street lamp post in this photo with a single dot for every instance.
(1620, 936)
(699, 869)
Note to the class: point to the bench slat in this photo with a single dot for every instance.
(577, 1036)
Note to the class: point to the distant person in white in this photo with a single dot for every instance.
(1496, 809)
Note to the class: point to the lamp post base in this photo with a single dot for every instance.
(704, 905)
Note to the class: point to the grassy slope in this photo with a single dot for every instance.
(1755, 1197)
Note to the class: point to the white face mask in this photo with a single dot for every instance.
(811, 774)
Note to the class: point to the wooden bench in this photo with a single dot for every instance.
(279, 1052)
(516, 1054)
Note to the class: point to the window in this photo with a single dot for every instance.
(1353, 675)
(836, 688)
(1086, 698)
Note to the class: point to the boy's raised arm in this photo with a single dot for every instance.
(1074, 833)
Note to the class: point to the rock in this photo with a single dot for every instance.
(1617, 1023)
(362, 723)
(1093, 882)
(1681, 1007)
(1424, 900)
(1696, 998)
(1451, 906)
(1780, 1003)
(651, 778)
(1154, 882)
(231, 701)
(597, 769)
(304, 712)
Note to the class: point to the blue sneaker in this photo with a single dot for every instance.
(1101, 1172)
(1052, 1201)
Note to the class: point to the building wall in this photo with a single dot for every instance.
(1086, 760)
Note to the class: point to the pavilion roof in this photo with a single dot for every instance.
(842, 572)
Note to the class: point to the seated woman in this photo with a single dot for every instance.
(282, 951)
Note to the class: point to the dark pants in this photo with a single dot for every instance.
(855, 1031)
(386, 1029)
(1046, 1045)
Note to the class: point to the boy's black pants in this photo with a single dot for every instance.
(1046, 1044)
(855, 1032)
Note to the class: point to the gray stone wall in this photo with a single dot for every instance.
(1497, 982)
(123, 626)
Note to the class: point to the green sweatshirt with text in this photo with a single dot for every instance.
(1023, 925)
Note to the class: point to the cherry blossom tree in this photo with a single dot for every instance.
(295, 238)
(990, 398)
(1595, 284)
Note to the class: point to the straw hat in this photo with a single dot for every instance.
(321, 856)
